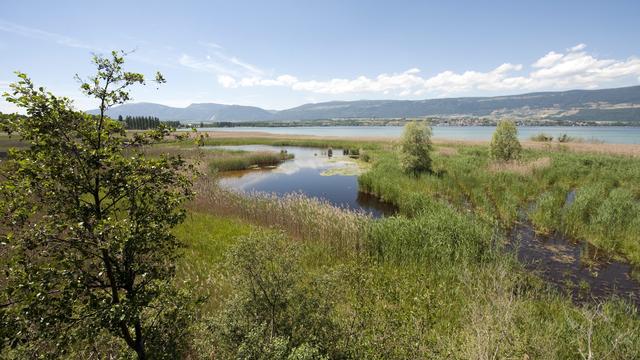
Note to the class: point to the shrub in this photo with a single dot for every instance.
(565, 138)
(542, 137)
(275, 311)
(415, 148)
(504, 143)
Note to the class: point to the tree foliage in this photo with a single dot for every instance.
(86, 223)
(145, 122)
(415, 148)
(504, 143)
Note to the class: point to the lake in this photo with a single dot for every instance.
(312, 172)
(608, 134)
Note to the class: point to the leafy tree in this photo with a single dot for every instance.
(504, 143)
(85, 223)
(415, 148)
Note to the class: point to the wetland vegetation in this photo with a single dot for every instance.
(192, 268)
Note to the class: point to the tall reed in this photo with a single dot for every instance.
(303, 218)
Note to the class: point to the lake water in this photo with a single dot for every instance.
(608, 134)
(306, 174)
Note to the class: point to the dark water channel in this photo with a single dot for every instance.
(575, 267)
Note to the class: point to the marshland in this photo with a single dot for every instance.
(531, 257)
(323, 180)
(329, 246)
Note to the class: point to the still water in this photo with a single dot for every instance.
(607, 134)
(307, 174)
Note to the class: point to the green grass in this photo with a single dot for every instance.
(242, 160)
(206, 240)
(418, 296)
(433, 282)
(605, 213)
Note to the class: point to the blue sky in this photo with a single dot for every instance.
(281, 54)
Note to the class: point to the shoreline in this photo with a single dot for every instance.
(582, 147)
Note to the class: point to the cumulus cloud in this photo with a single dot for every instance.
(573, 68)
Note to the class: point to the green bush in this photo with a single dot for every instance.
(542, 137)
(275, 311)
(504, 143)
(415, 148)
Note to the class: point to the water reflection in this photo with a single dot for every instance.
(577, 268)
(304, 174)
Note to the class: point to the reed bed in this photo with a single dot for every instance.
(303, 218)
(230, 161)
(520, 167)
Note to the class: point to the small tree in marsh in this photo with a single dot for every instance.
(415, 148)
(504, 142)
(86, 221)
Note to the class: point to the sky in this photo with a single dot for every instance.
(281, 54)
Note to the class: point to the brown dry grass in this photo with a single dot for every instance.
(610, 149)
(446, 151)
(518, 167)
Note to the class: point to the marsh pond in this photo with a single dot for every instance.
(332, 176)
(311, 172)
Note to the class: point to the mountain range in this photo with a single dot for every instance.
(618, 104)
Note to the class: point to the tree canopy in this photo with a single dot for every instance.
(415, 148)
(86, 219)
(504, 142)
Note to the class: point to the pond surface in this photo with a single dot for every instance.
(307, 173)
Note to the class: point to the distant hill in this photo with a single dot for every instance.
(619, 104)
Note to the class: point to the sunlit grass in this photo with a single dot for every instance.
(206, 239)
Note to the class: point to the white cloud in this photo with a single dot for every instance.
(44, 35)
(223, 65)
(226, 81)
(578, 47)
(551, 58)
(574, 68)
(210, 44)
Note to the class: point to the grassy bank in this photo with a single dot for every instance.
(213, 160)
(433, 286)
(605, 210)
(289, 276)
(304, 141)
(243, 160)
